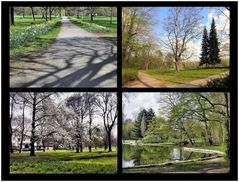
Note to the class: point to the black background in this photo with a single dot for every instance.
(119, 176)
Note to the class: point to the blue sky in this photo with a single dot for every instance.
(160, 13)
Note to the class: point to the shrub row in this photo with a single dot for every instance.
(30, 33)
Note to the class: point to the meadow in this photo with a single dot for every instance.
(98, 161)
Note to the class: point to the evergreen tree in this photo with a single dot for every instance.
(205, 49)
(136, 130)
(213, 45)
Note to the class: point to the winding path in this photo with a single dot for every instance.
(148, 81)
(76, 59)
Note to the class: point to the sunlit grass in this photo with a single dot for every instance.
(65, 161)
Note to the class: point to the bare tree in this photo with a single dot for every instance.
(12, 104)
(35, 100)
(22, 125)
(107, 102)
(181, 27)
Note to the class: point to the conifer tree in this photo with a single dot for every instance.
(213, 45)
(205, 49)
(136, 130)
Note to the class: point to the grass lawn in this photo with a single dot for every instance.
(65, 161)
(99, 20)
(171, 77)
(187, 167)
(22, 23)
(40, 43)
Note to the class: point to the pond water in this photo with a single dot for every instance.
(141, 155)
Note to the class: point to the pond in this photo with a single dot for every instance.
(141, 155)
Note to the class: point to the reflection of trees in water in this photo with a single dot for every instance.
(158, 154)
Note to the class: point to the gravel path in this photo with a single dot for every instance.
(76, 59)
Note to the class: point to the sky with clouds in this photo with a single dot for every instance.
(220, 15)
(136, 101)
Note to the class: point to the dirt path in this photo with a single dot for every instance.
(145, 80)
(76, 59)
(148, 81)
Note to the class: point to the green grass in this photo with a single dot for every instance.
(23, 23)
(129, 74)
(92, 26)
(64, 161)
(171, 77)
(40, 43)
(187, 167)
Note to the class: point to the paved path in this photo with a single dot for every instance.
(76, 59)
(148, 81)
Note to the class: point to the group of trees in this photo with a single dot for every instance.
(47, 12)
(142, 49)
(139, 48)
(138, 128)
(191, 119)
(81, 119)
(210, 47)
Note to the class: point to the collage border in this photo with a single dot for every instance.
(120, 176)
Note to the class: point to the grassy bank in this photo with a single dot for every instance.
(171, 77)
(36, 43)
(218, 165)
(64, 161)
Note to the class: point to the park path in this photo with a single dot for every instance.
(77, 58)
(145, 81)
(148, 81)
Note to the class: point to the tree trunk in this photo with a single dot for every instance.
(32, 153)
(227, 125)
(111, 14)
(46, 13)
(50, 13)
(33, 16)
(177, 65)
(109, 141)
(23, 127)
(10, 128)
(12, 15)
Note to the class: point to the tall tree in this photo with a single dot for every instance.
(77, 103)
(22, 125)
(181, 27)
(213, 45)
(12, 106)
(204, 59)
(35, 100)
(12, 15)
(107, 102)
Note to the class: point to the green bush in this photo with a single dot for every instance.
(129, 74)
(223, 82)
(30, 33)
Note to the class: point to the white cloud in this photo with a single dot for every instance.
(141, 100)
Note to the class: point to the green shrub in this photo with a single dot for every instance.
(223, 82)
(129, 74)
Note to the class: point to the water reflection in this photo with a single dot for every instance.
(140, 155)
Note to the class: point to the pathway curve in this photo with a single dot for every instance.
(148, 81)
(145, 81)
(76, 59)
